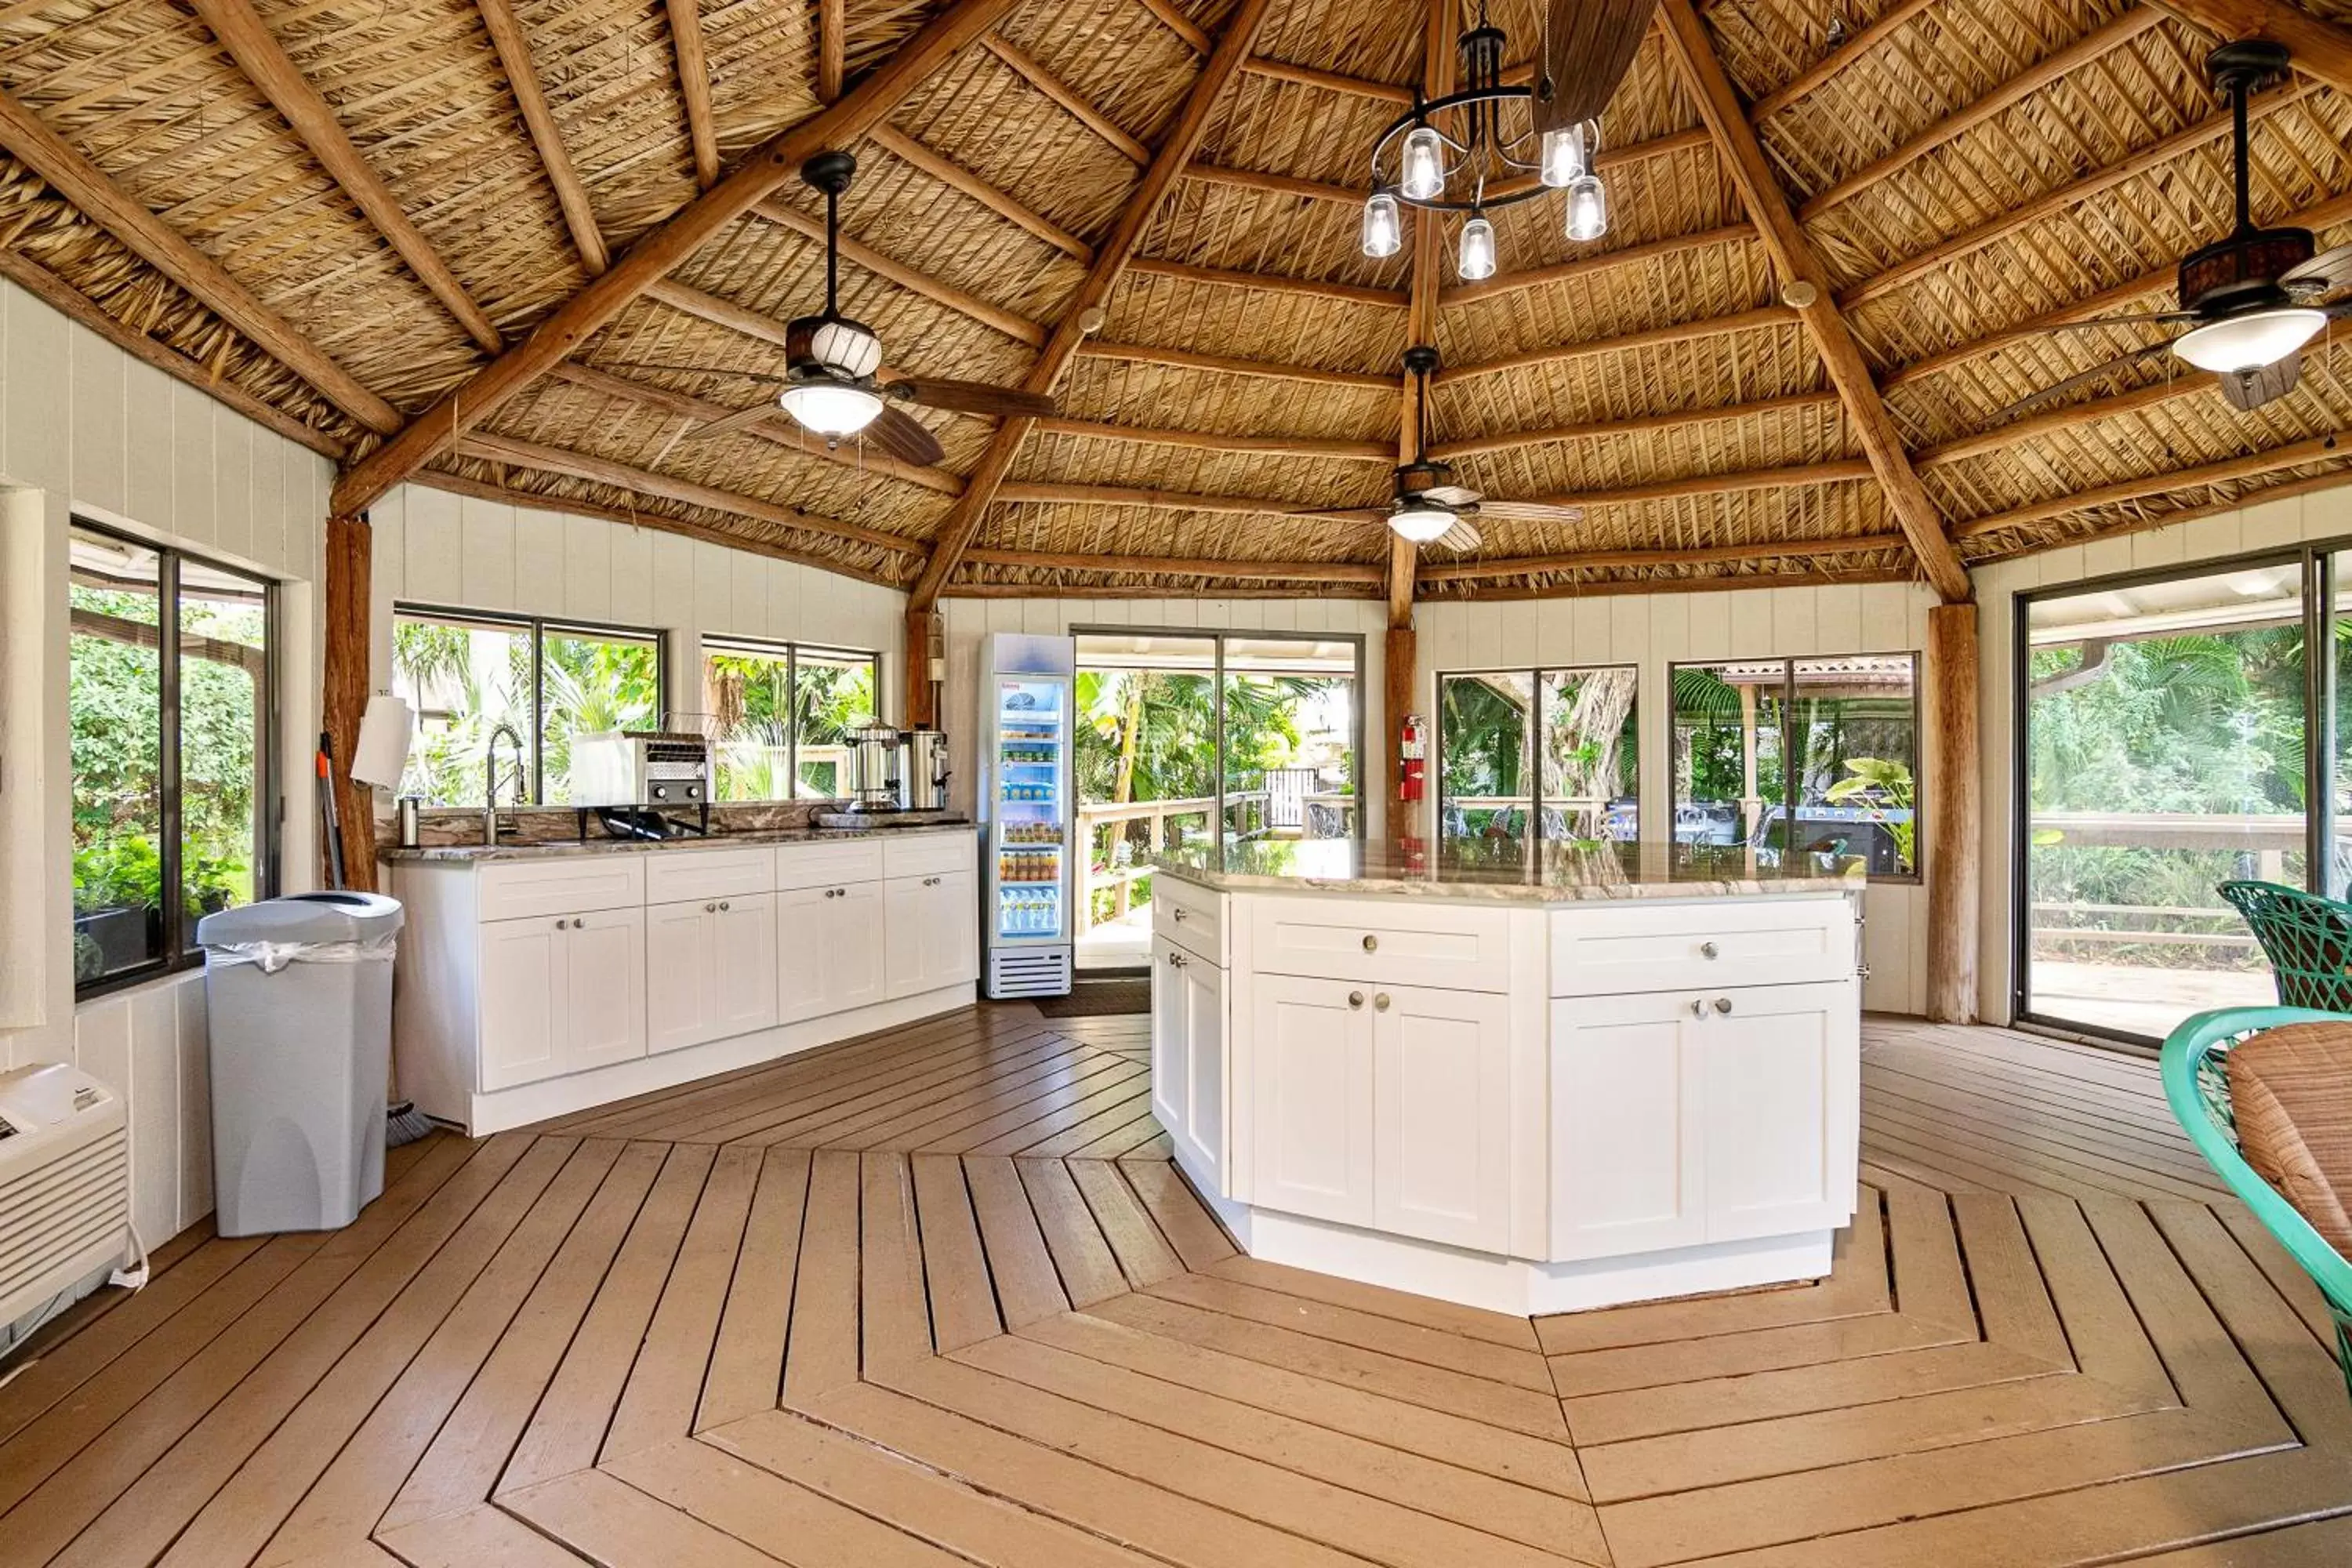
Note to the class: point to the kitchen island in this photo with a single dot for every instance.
(1531, 1080)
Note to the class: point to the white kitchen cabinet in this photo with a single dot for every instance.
(1312, 1097)
(710, 970)
(1783, 1119)
(1627, 1167)
(561, 995)
(829, 947)
(1188, 1078)
(1441, 1115)
(932, 931)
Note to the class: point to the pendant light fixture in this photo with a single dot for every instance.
(1475, 259)
(1383, 226)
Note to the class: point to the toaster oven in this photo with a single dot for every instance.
(640, 767)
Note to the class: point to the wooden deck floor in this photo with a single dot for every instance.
(938, 1297)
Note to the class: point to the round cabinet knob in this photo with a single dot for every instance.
(1699, 1007)
(1372, 945)
(1356, 999)
(724, 906)
(1380, 1002)
(1708, 950)
(1177, 915)
(560, 925)
(710, 909)
(1723, 1003)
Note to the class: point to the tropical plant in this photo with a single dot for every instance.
(1884, 786)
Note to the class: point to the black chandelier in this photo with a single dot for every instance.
(1480, 148)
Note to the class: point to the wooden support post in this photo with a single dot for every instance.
(1405, 818)
(922, 643)
(344, 693)
(1955, 836)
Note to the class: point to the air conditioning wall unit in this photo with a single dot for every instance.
(65, 1183)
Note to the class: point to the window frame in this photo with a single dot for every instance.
(538, 627)
(179, 954)
(1917, 875)
(1532, 762)
(790, 649)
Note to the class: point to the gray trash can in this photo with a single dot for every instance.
(299, 992)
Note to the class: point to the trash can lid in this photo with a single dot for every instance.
(304, 917)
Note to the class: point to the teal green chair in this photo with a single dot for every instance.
(2308, 939)
(2196, 1081)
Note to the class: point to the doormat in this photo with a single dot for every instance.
(1099, 998)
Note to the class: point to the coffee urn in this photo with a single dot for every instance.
(923, 776)
(873, 767)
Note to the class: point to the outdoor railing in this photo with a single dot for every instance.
(1120, 878)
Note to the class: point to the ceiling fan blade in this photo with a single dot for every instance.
(2145, 318)
(1463, 537)
(2247, 390)
(903, 436)
(1451, 495)
(2091, 377)
(741, 419)
(1378, 514)
(972, 397)
(693, 370)
(2328, 270)
(1530, 512)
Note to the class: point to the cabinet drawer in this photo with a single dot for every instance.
(675, 876)
(570, 886)
(1620, 948)
(927, 854)
(1455, 947)
(1193, 918)
(828, 865)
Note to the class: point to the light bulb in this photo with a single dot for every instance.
(2250, 342)
(1423, 176)
(1422, 522)
(1477, 256)
(1563, 155)
(1587, 207)
(830, 408)
(1383, 233)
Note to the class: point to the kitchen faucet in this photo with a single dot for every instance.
(490, 783)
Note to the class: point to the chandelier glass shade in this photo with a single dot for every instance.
(1477, 150)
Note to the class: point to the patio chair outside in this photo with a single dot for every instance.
(2196, 1082)
(2307, 937)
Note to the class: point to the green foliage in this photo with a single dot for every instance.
(1885, 786)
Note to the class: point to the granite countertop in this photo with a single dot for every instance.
(1508, 872)
(467, 854)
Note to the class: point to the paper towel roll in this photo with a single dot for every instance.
(383, 750)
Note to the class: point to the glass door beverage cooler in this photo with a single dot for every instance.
(1026, 700)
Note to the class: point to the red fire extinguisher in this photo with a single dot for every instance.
(1412, 757)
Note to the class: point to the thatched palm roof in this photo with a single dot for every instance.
(336, 214)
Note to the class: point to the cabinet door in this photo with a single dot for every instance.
(678, 965)
(1171, 1040)
(855, 940)
(604, 989)
(1311, 1077)
(1782, 1093)
(805, 919)
(1202, 1137)
(953, 958)
(1442, 1126)
(906, 912)
(1628, 1170)
(521, 977)
(742, 964)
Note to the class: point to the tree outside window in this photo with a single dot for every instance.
(781, 714)
(1549, 752)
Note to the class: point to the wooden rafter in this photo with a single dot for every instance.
(2229, 470)
(1700, 555)
(915, 281)
(1425, 285)
(1330, 81)
(1076, 103)
(1884, 25)
(92, 190)
(1172, 17)
(1224, 364)
(1712, 583)
(1585, 267)
(1210, 441)
(1110, 260)
(1760, 317)
(694, 88)
(1635, 425)
(1270, 284)
(2321, 50)
(652, 255)
(1243, 571)
(954, 175)
(1044, 492)
(832, 48)
(2072, 416)
(1801, 271)
(513, 47)
(277, 78)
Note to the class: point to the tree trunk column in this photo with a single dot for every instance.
(1405, 818)
(1954, 841)
(922, 640)
(343, 694)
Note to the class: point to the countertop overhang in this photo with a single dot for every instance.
(474, 854)
(1547, 873)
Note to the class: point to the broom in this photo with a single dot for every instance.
(403, 1122)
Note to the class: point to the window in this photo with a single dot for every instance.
(782, 714)
(467, 675)
(1811, 754)
(1556, 749)
(173, 812)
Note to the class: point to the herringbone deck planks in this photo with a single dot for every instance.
(936, 1298)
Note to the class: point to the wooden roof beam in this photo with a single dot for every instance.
(1353, 195)
(857, 252)
(2102, 40)
(1637, 424)
(2059, 420)
(1757, 319)
(2321, 50)
(2229, 470)
(94, 192)
(1248, 571)
(645, 481)
(832, 48)
(1269, 283)
(275, 76)
(1072, 100)
(1330, 81)
(954, 175)
(1704, 556)
(1223, 364)
(1111, 258)
(1039, 492)
(1208, 441)
(1172, 17)
(1884, 27)
(1713, 584)
(513, 47)
(694, 88)
(1592, 266)
(656, 253)
(1767, 205)
(1425, 283)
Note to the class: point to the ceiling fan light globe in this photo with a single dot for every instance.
(847, 347)
(1588, 208)
(1562, 157)
(2250, 342)
(1422, 524)
(1422, 173)
(1384, 227)
(831, 409)
(1476, 256)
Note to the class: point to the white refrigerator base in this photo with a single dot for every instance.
(1028, 972)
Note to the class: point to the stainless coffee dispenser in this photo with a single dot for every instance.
(873, 767)
(923, 778)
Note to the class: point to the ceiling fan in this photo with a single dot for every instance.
(1426, 506)
(832, 381)
(2250, 300)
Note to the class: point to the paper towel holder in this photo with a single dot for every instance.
(382, 753)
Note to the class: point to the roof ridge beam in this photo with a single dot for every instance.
(694, 87)
(94, 192)
(1080, 107)
(890, 270)
(1703, 555)
(272, 72)
(513, 48)
(1223, 364)
(1802, 272)
(2251, 465)
(955, 177)
(1636, 424)
(2113, 35)
(1604, 261)
(657, 252)
(1757, 320)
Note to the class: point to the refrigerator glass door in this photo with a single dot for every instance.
(1031, 771)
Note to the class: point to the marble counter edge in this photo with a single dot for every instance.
(1514, 893)
(479, 854)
